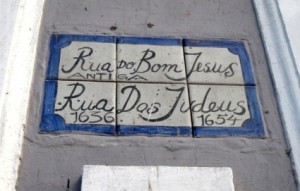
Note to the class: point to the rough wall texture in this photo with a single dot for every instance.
(54, 162)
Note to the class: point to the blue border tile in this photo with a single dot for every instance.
(235, 47)
(154, 130)
(58, 42)
(253, 127)
(150, 41)
(53, 123)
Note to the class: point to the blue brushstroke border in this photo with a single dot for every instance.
(148, 130)
(253, 127)
(59, 41)
(150, 41)
(235, 47)
(53, 123)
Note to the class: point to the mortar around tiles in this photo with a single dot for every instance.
(156, 87)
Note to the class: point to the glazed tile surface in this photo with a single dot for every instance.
(150, 63)
(95, 61)
(152, 104)
(86, 102)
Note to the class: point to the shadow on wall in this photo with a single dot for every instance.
(74, 186)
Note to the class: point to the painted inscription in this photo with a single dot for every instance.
(150, 63)
(152, 104)
(80, 102)
(218, 106)
(88, 61)
(96, 61)
(212, 65)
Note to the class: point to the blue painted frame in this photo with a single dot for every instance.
(54, 123)
(59, 41)
(235, 47)
(184, 131)
(150, 41)
(252, 127)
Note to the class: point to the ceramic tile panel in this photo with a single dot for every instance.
(150, 60)
(74, 57)
(219, 110)
(153, 109)
(150, 86)
(79, 106)
(217, 62)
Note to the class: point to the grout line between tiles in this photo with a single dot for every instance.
(188, 92)
(116, 94)
(151, 82)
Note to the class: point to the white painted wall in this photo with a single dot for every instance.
(21, 22)
(290, 12)
(7, 22)
(279, 21)
(156, 178)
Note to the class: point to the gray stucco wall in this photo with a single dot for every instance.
(54, 162)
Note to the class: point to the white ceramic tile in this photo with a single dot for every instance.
(152, 104)
(212, 65)
(156, 178)
(93, 61)
(218, 106)
(80, 102)
(150, 63)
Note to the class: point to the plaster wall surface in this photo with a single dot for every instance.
(290, 12)
(7, 21)
(55, 162)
